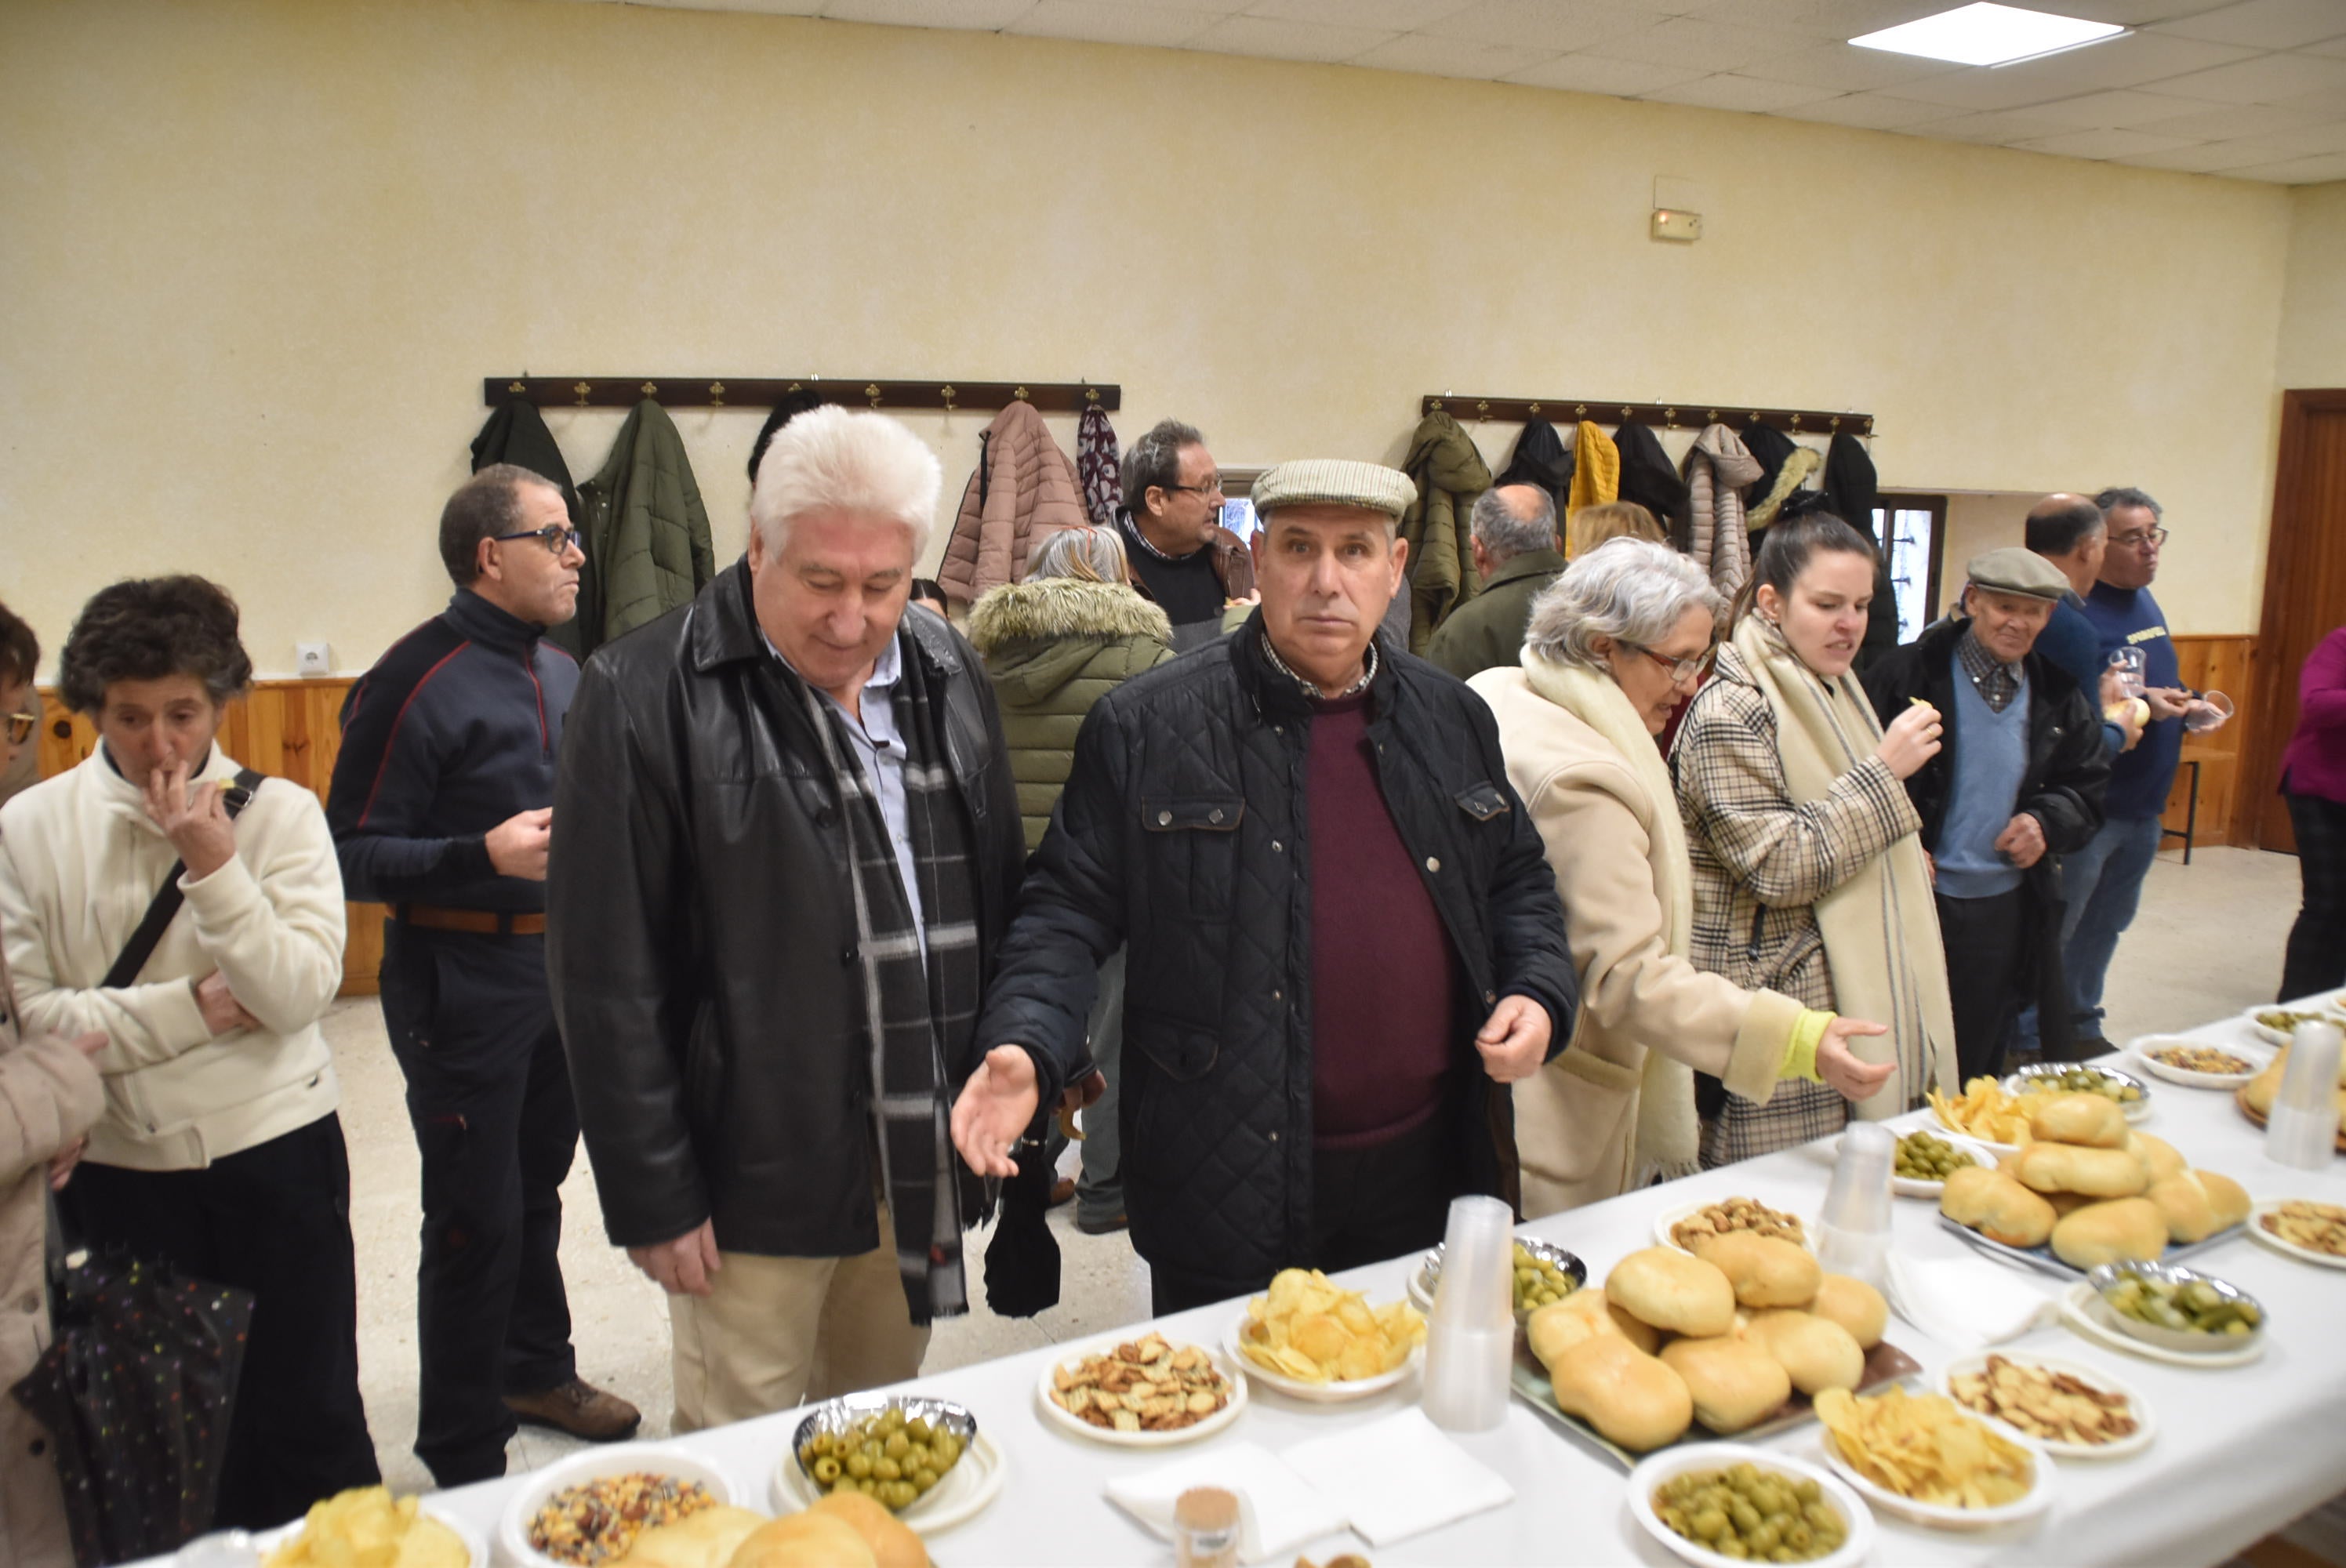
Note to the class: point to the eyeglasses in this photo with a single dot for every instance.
(21, 727)
(1681, 669)
(2154, 537)
(554, 536)
(1212, 486)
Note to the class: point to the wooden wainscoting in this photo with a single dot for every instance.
(289, 728)
(2225, 664)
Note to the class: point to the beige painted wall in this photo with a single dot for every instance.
(2314, 309)
(258, 253)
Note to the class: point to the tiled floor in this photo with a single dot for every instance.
(2207, 942)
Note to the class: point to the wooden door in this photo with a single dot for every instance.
(2305, 596)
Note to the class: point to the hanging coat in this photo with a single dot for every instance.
(1717, 470)
(516, 434)
(1784, 465)
(1647, 478)
(646, 532)
(1850, 484)
(1541, 458)
(1450, 474)
(1023, 490)
(1096, 461)
(1595, 469)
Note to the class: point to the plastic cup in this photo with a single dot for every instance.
(2130, 664)
(2202, 720)
(1470, 1339)
(2302, 1130)
(1854, 1230)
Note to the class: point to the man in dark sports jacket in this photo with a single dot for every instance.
(442, 808)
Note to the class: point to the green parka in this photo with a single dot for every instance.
(648, 548)
(1449, 474)
(1052, 647)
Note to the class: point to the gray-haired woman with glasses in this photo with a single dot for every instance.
(1611, 647)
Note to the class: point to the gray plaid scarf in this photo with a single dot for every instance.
(915, 1013)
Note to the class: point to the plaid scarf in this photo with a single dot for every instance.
(914, 1011)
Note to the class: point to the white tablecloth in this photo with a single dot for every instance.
(2238, 1453)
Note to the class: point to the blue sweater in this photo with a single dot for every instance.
(2071, 641)
(2139, 780)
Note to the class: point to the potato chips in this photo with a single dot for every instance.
(1985, 1111)
(366, 1527)
(1310, 1330)
(1925, 1448)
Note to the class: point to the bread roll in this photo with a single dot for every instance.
(894, 1544)
(2131, 1229)
(704, 1540)
(1670, 1291)
(1995, 1206)
(1855, 1306)
(2094, 1121)
(1561, 1325)
(2065, 1204)
(2094, 1171)
(1629, 1397)
(2163, 1158)
(804, 1540)
(2199, 1204)
(1734, 1383)
(1816, 1352)
(1764, 1270)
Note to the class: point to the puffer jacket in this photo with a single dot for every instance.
(1718, 468)
(1183, 830)
(1052, 647)
(1023, 490)
(1450, 474)
(648, 549)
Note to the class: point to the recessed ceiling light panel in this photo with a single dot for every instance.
(1986, 35)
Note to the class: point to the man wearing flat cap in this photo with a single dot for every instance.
(2017, 784)
(1345, 941)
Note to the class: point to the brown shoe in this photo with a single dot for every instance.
(1063, 1191)
(580, 1408)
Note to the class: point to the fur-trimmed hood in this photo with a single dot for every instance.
(1037, 636)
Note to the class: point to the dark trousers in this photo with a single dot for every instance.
(274, 1219)
(1986, 956)
(488, 1095)
(2317, 942)
(1367, 1204)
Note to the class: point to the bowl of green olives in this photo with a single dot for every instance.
(2131, 1092)
(921, 1458)
(2179, 1309)
(1543, 1272)
(1716, 1504)
(1926, 1156)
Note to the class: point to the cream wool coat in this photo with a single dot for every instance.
(79, 861)
(1648, 1016)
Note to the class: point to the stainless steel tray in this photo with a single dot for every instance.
(2041, 1260)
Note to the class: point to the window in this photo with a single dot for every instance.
(1914, 528)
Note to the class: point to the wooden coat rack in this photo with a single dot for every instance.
(1566, 411)
(763, 392)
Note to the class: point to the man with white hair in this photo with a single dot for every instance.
(790, 841)
(1516, 555)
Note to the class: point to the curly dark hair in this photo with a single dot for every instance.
(20, 650)
(145, 628)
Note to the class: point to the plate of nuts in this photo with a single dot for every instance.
(2308, 1231)
(2195, 1064)
(1140, 1393)
(2077, 1412)
(1676, 1228)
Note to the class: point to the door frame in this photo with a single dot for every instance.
(2289, 548)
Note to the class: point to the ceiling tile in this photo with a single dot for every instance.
(2265, 79)
(2125, 13)
(2264, 23)
(1835, 20)
(2319, 170)
(1156, 27)
(1844, 69)
(2335, 48)
(1432, 57)
(1595, 73)
(1399, 15)
(2231, 120)
(2209, 156)
(2328, 137)
(1747, 94)
(2103, 144)
(977, 16)
(2099, 111)
(2125, 62)
(1681, 41)
(2003, 126)
(1873, 111)
(1553, 25)
(1277, 40)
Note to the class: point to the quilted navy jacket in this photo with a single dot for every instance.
(1183, 830)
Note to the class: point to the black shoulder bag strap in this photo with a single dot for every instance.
(169, 898)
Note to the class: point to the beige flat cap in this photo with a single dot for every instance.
(2013, 570)
(1334, 482)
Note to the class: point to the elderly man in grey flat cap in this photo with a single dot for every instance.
(1345, 939)
(2017, 782)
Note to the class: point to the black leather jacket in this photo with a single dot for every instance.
(699, 930)
(1183, 830)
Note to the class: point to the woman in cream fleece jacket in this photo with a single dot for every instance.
(219, 1150)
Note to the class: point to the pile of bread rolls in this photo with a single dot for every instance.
(2096, 1189)
(1723, 1339)
(842, 1529)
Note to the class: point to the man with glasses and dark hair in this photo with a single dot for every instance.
(1172, 523)
(442, 806)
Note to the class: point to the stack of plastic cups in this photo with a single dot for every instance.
(1853, 1232)
(1470, 1341)
(2304, 1128)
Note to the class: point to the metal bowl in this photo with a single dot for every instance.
(2189, 1341)
(2134, 1109)
(1428, 1273)
(837, 1415)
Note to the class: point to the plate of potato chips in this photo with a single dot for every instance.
(1924, 1458)
(1986, 1113)
(367, 1527)
(1312, 1339)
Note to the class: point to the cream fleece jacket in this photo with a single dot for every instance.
(80, 862)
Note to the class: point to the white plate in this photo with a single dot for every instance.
(594, 1464)
(2083, 1309)
(2034, 1502)
(269, 1541)
(2256, 1056)
(2328, 1011)
(964, 1492)
(1066, 1420)
(2146, 1424)
(1330, 1394)
(2133, 1110)
(1945, 1128)
(1908, 1186)
(1653, 1471)
(2302, 1253)
(1671, 1217)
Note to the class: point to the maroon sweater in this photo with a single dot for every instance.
(1383, 978)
